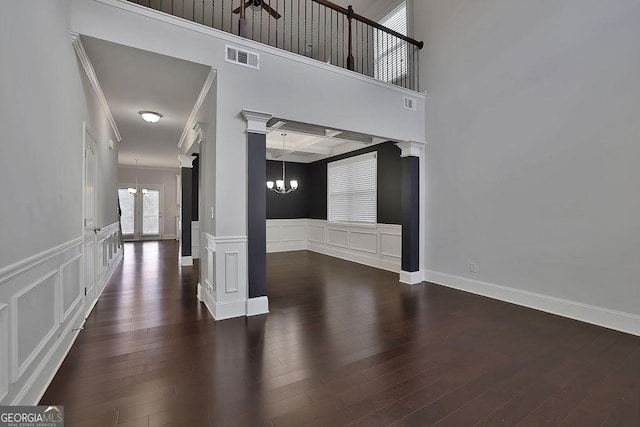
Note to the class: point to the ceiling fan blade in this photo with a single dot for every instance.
(271, 11)
(246, 5)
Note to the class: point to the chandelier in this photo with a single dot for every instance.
(280, 183)
(134, 191)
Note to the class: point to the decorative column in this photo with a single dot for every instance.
(257, 302)
(412, 154)
(186, 178)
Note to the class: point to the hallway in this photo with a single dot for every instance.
(344, 343)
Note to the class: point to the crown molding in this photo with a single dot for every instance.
(191, 121)
(76, 41)
(186, 161)
(256, 121)
(411, 148)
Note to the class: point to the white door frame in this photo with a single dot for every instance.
(89, 225)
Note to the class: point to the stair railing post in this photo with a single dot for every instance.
(242, 24)
(350, 60)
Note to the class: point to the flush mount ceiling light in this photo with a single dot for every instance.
(150, 116)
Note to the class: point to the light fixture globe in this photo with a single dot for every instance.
(150, 116)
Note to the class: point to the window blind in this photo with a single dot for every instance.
(352, 189)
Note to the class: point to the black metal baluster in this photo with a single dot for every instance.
(298, 27)
(342, 54)
(269, 28)
(362, 48)
(222, 15)
(213, 12)
(311, 35)
(331, 35)
(291, 30)
(325, 35)
(305, 27)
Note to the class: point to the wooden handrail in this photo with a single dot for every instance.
(350, 14)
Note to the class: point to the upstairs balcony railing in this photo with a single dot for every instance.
(317, 29)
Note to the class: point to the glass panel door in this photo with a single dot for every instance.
(150, 212)
(128, 211)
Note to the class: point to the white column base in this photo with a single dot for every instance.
(411, 277)
(199, 292)
(227, 310)
(256, 306)
(186, 261)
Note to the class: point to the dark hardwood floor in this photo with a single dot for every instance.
(344, 344)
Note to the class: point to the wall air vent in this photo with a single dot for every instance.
(410, 103)
(242, 57)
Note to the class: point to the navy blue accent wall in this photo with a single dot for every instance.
(256, 215)
(410, 213)
(292, 205)
(186, 179)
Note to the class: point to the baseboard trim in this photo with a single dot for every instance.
(286, 246)
(199, 292)
(223, 311)
(617, 320)
(257, 306)
(186, 261)
(360, 259)
(411, 277)
(169, 237)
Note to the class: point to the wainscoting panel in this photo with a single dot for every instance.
(225, 276)
(274, 234)
(34, 321)
(391, 244)
(365, 242)
(337, 237)
(231, 271)
(195, 239)
(42, 305)
(294, 233)
(71, 283)
(4, 351)
(285, 235)
(317, 234)
(108, 251)
(378, 246)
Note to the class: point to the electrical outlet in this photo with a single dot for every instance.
(473, 267)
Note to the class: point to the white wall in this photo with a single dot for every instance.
(532, 125)
(45, 98)
(156, 176)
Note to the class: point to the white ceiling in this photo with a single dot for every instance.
(133, 80)
(305, 143)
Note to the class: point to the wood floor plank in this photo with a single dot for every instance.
(343, 344)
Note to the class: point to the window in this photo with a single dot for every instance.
(389, 52)
(352, 189)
